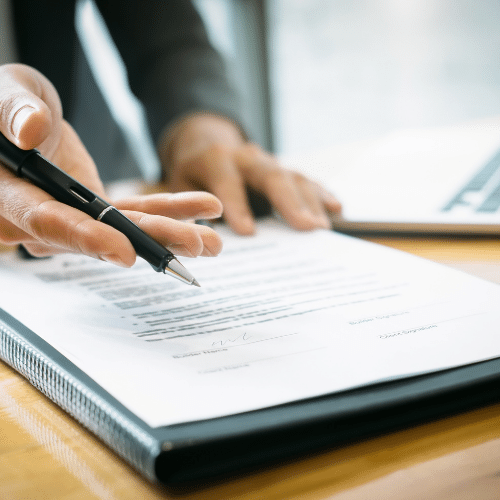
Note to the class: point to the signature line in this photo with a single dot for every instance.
(242, 345)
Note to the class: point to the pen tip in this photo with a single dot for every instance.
(194, 282)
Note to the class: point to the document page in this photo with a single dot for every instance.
(279, 317)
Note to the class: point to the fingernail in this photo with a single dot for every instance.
(20, 118)
(113, 259)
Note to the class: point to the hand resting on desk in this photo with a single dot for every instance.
(31, 117)
(205, 151)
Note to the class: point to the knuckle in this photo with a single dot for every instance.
(78, 238)
(35, 220)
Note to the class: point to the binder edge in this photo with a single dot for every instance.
(137, 447)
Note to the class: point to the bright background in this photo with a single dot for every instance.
(315, 73)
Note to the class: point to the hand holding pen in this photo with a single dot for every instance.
(31, 117)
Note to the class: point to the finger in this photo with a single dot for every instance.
(312, 195)
(31, 116)
(186, 205)
(216, 171)
(181, 238)
(30, 109)
(289, 201)
(11, 235)
(224, 179)
(41, 250)
(54, 224)
(231, 191)
(331, 203)
(288, 192)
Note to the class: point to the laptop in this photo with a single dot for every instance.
(442, 180)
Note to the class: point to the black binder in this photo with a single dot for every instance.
(196, 451)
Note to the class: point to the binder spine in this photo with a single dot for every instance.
(121, 434)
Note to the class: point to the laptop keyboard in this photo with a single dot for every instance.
(482, 192)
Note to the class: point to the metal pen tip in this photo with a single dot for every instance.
(177, 270)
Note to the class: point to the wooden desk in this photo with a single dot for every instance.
(44, 454)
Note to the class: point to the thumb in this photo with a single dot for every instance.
(30, 109)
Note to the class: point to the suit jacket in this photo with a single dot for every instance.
(172, 67)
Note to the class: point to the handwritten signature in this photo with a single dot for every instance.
(224, 342)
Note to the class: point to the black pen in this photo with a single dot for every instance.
(42, 173)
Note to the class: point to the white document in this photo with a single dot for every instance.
(279, 317)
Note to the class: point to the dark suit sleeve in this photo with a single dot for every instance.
(172, 67)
